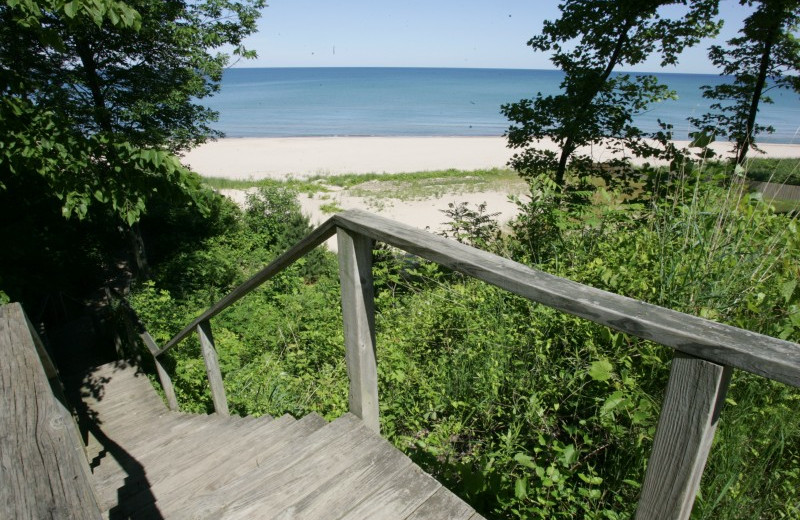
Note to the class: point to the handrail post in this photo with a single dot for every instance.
(212, 368)
(166, 385)
(358, 315)
(692, 404)
(163, 375)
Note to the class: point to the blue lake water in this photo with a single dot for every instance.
(289, 102)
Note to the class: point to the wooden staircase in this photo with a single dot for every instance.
(149, 462)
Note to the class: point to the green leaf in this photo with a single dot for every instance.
(71, 9)
(524, 460)
(613, 401)
(568, 456)
(601, 370)
(701, 139)
(521, 488)
(590, 479)
(787, 290)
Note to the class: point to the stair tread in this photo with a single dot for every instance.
(336, 496)
(398, 497)
(443, 505)
(149, 462)
(241, 466)
(211, 457)
(190, 442)
(319, 474)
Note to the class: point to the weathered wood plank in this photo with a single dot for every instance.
(274, 441)
(163, 375)
(722, 344)
(43, 473)
(442, 505)
(251, 487)
(304, 478)
(312, 240)
(212, 368)
(166, 385)
(50, 369)
(338, 495)
(396, 498)
(358, 316)
(224, 465)
(692, 403)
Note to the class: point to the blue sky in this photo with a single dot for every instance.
(426, 33)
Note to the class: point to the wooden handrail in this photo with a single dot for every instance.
(312, 240)
(722, 344)
(44, 473)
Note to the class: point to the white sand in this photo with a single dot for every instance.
(301, 157)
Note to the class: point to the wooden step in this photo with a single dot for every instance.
(316, 472)
(229, 464)
(195, 481)
(149, 462)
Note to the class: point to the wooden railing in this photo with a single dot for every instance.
(43, 468)
(706, 352)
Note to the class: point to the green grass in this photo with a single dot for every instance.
(349, 180)
(402, 186)
(298, 185)
(782, 171)
(331, 207)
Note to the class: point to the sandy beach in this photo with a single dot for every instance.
(280, 158)
(301, 157)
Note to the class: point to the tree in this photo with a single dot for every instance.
(591, 40)
(766, 56)
(98, 96)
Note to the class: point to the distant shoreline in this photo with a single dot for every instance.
(301, 157)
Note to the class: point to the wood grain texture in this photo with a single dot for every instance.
(338, 495)
(189, 466)
(689, 415)
(212, 368)
(312, 240)
(166, 385)
(398, 497)
(43, 473)
(442, 505)
(358, 316)
(722, 344)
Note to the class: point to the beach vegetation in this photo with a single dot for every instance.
(305, 186)
(330, 207)
(780, 171)
(523, 411)
(590, 42)
(763, 58)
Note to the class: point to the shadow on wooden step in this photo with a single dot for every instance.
(136, 479)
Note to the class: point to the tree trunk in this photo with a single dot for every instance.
(566, 152)
(139, 254)
(763, 67)
(102, 118)
(101, 114)
(589, 95)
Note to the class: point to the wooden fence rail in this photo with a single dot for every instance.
(43, 469)
(706, 351)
